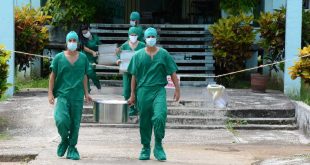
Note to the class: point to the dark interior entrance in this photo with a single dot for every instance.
(179, 11)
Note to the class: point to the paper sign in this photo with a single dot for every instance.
(107, 54)
(170, 82)
(126, 56)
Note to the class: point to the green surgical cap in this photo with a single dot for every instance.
(134, 16)
(133, 30)
(150, 32)
(72, 35)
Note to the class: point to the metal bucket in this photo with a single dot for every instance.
(111, 111)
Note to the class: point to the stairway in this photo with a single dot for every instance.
(189, 45)
(189, 114)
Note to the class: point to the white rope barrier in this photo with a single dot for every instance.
(200, 75)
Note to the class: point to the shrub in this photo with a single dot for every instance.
(30, 33)
(69, 13)
(236, 7)
(301, 68)
(232, 40)
(306, 28)
(272, 33)
(4, 67)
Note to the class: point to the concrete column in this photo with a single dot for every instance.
(7, 36)
(33, 3)
(292, 44)
(270, 5)
(277, 4)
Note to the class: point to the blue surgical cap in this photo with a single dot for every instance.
(133, 30)
(134, 16)
(150, 32)
(72, 35)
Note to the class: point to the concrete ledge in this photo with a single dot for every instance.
(303, 117)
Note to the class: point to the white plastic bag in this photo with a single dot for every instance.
(219, 95)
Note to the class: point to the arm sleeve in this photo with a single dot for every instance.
(132, 67)
(171, 66)
(121, 48)
(98, 41)
(87, 66)
(54, 65)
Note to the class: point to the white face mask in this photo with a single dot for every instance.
(72, 46)
(132, 23)
(150, 41)
(133, 39)
(87, 35)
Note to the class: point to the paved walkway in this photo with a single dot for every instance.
(32, 131)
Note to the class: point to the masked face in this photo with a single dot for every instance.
(72, 46)
(132, 23)
(86, 35)
(150, 41)
(133, 38)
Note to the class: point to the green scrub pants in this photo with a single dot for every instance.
(91, 74)
(126, 92)
(68, 114)
(152, 106)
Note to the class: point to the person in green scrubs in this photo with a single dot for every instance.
(134, 22)
(134, 45)
(89, 46)
(149, 68)
(68, 83)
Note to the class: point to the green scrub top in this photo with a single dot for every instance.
(93, 45)
(125, 46)
(69, 78)
(152, 72)
(126, 76)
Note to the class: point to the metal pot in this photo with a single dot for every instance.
(111, 111)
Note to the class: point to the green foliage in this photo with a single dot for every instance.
(237, 81)
(231, 123)
(31, 83)
(30, 33)
(46, 68)
(301, 68)
(306, 27)
(272, 33)
(4, 123)
(232, 40)
(4, 136)
(304, 93)
(69, 13)
(236, 7)
(4, 68)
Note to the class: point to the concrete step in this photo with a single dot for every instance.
(88, 118)
(202, 120)
(111, 83)
(186, 103)
(233, 113)
(88, 109)
(262, 121)
(175, 126)
(261, 113)
(193, 111)
(168, 126)
(267, 127)
(196, 120)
